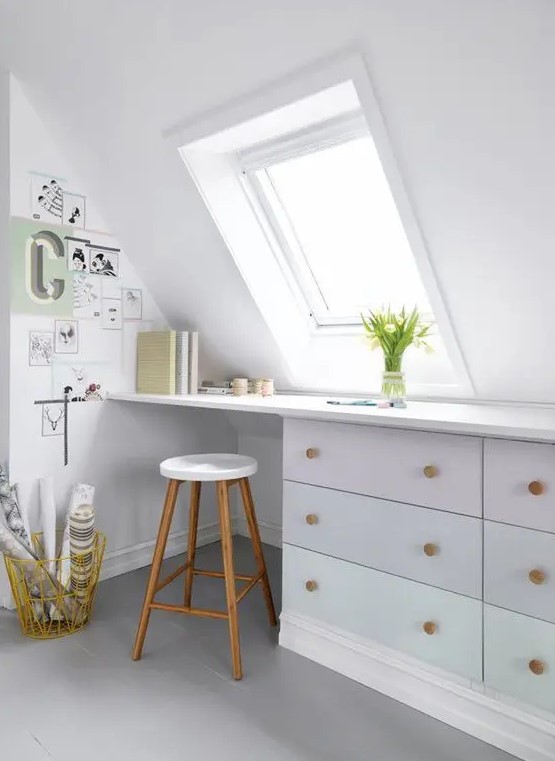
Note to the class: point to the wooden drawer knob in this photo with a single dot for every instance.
(311, 453)
(429, 627)
(431, 549)
(311, 585)
(536, 488)
(311, 519)
(537, 576)
(536, 666)
(430, 471)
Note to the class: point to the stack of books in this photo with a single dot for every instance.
(215, 387)
(167, 362)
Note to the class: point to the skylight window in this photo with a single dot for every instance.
(337, 230)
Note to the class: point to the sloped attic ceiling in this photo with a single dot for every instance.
(467, 91)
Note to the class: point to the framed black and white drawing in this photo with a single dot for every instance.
(111, 314)
(132, 303)
(104, 260)
(41, 348)
(81, 381)
(46, 198)
(66, 337)
(87, 297)
(77, 254)
(53, 419)
(73, 210)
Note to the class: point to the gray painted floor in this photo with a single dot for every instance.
(83, 698)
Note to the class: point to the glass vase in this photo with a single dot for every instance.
(394, 388)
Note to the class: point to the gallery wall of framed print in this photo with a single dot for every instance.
(87, 297)
(41, 348)
(53, 419)
(46, 198)
(73, 209)
(81, 381)
(104, 260)
(111, 314)
(132, 303)
(66, 337)
(77, 254)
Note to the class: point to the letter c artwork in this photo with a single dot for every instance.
(39, 246)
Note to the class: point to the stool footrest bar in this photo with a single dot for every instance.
(191, 611)
(254, 581)
(221, 575)
(172, 577)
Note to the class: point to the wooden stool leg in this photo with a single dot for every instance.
(192, 544)
(163, 532)
(227, 552)
(250, 513)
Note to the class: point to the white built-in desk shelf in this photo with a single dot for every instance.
(506, 421)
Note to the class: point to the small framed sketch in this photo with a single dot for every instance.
(53, 419)
(111, 314)
(46, 198)
(41, 348)
(87, 297)
(132, 303)
(66, 337)
(104, 260)
(77, 254)
(73, 210)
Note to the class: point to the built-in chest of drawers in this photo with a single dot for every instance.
(436, 550)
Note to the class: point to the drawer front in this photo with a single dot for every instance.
(519, 656)
(431, 469)
(386, 609)
(519, 570)
(519, 483)
(441, 549)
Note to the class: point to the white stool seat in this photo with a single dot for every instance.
(209, 467)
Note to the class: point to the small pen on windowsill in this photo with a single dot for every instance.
(356, 403)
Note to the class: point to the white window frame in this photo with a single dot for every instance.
(287, 248)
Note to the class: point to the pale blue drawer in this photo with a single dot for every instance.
(515, 558)
(511, 643)
(386, 609)
(388, 536)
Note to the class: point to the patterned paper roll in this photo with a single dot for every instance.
(81, 541)
(82, 494)
(48, 518)
(9, 505)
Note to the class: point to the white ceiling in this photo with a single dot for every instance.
(467, 88)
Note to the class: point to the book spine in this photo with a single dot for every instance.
(182, 363)
(193, 363)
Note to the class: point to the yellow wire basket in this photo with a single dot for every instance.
(55, 597)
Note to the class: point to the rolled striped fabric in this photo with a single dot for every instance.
(81, 544)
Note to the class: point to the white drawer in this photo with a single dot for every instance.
(515, 647)
(386, 609)
(513, 470)
(519, 569)
(431, 469)
(437, 548)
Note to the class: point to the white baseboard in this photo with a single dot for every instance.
(270, 533)
(515, 731)
(139, 555)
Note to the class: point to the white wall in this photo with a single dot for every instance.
(113, 447)
(467, 91)
(4, 264)
(261, 437)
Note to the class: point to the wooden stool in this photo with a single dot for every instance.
(226, 470)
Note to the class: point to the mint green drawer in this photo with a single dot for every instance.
(386, 609)
(515, 647)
